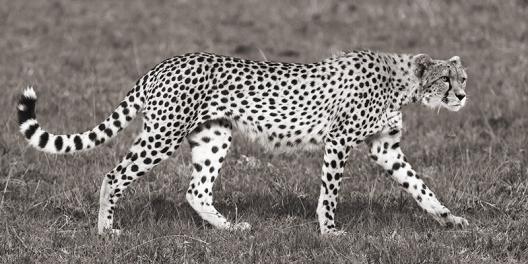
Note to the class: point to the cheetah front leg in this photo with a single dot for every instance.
(334, 162)
(385, 151)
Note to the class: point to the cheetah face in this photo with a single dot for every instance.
(444, 83)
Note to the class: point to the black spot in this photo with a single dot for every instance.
(327, 215)
(108, 132)
(405, 185)
(396, 145)
(92, 136)
(214, 149)
(58, 143)
(78, 142)
(43, 140)
(396, 166)
(393, 132)
(329, 176)
(193, 144)
(31, 130)
(203, 179)
(197, 167)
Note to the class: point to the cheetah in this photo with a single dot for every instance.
(334, 104)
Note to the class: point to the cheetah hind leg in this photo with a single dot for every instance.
(136, 163)
(209, 144)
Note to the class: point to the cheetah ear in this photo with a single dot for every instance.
(420, 63)
(456, 60)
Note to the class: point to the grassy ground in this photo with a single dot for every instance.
(83, 56)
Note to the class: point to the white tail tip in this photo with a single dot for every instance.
(30, 93)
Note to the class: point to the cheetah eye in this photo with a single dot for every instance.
(444, 79)
(463, 80)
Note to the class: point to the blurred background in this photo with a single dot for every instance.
(83, 56)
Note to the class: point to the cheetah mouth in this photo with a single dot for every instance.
(454, 107)
(451, 103)
(444, 102)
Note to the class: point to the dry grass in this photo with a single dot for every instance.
(83, 56)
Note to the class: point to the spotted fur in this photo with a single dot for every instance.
(336, 103)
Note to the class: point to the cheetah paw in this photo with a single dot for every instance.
(110, 232)
(334, 233)
(451, 221)
(240, 226)
(458, 221)
(115, 232)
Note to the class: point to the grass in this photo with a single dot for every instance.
(83, 56)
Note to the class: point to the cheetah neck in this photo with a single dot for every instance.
(403, 82)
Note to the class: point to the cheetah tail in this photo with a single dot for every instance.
(61, 144)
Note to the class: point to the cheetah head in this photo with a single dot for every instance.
(442, 82)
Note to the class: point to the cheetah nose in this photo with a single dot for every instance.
(460, 96)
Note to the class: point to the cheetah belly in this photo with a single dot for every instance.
(277, 140)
